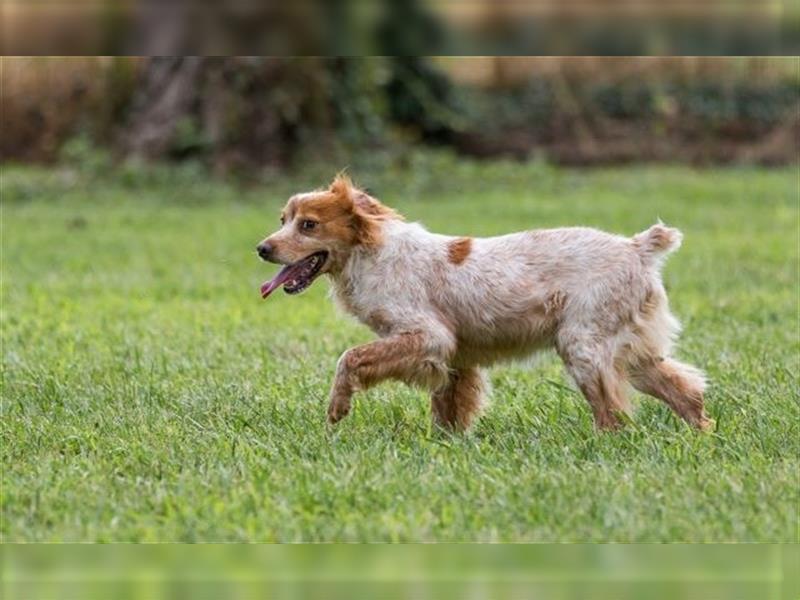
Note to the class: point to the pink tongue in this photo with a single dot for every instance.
(282, 277)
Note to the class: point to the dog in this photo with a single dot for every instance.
(444, 307)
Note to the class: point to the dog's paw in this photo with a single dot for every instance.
(337, 411)
(707, 425)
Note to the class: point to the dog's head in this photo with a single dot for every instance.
(319, 231)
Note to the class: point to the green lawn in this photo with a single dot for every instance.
(150, 395)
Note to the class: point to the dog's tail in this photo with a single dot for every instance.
(654, 244)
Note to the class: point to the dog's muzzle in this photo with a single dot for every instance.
(264, 251)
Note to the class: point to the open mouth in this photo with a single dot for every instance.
(296, 277)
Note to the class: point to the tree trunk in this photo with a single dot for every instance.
(167, 93)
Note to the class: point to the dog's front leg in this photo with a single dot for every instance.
(414, 358)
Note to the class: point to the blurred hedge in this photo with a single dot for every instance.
(249, 113)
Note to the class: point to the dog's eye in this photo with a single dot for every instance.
(308, 225)
(283, 220)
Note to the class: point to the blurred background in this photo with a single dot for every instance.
(258, 118)
(255, 116)
(552, 571)
(429, 27)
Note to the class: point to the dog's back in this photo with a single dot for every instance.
(512, 293)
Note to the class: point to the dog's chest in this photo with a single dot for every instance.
(375, 315)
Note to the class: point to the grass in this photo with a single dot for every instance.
(150, 395)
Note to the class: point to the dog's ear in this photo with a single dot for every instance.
(368, 213)
(366, 205)
(343, 189)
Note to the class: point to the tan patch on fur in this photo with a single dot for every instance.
(403, 357)
(334, 214)
(367, 212)
(346, 217)
(678, 385)
(341, 185)
(458, 250)
(660, 238)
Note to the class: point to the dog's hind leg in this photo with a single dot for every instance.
(593, 369)
(456, 405)
(679, 385)
(606, 396)
(652, 371)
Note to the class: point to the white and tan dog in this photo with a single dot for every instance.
(445, 306)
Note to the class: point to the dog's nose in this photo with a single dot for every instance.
(264, 250)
